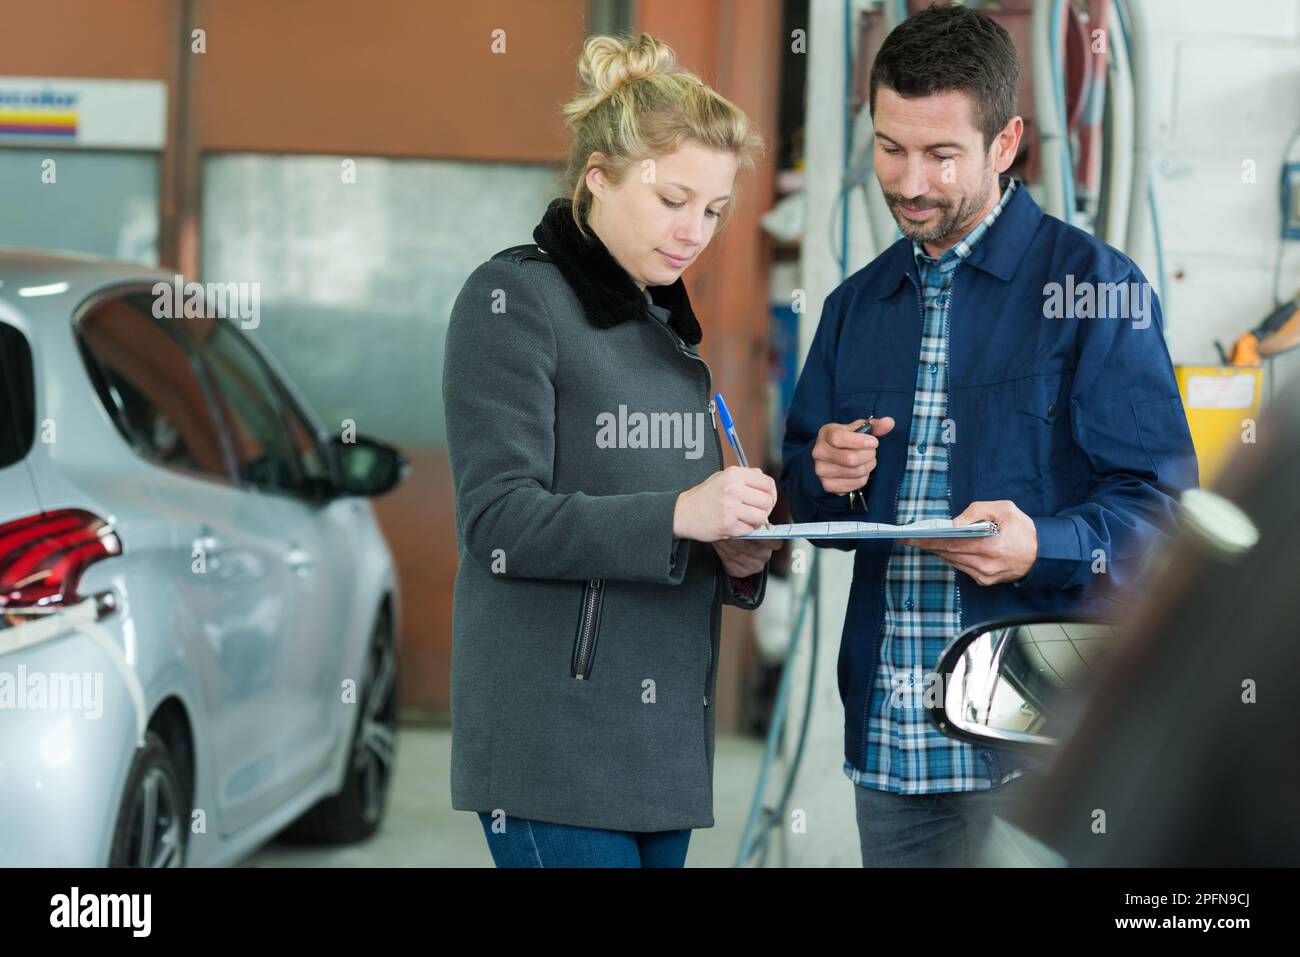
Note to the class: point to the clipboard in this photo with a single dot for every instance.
(926, 528)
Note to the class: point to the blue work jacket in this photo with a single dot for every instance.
(1061, 398)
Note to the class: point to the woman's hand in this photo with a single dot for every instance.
(744, 558)
(733, 502)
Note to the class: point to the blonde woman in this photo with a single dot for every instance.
(594, 515)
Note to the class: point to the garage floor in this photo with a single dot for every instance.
(422, 830)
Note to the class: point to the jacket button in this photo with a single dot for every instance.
(1051, 409)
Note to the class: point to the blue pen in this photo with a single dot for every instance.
(730, 428)
(733, 437)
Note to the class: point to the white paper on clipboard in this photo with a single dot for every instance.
(927, 528)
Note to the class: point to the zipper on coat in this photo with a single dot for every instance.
(584, 642)
(708, 649)
(884, 578)
(711, 405)
(947, 359)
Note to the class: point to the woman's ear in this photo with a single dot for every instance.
(596, 182)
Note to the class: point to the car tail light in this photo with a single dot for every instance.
(42, 558)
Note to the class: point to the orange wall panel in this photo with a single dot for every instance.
(387, 77)
(110, 39)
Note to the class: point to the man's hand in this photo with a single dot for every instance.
(1004, 557)
(744, 558)
(844, 459)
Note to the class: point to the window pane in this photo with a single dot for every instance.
(146, 381)
(304, 443)
(357, 278)
(101, 202)
(265, 452)
(17, 396)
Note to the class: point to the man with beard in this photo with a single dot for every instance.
(989, 398)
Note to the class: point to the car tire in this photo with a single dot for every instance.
(357, 810)
(152, 828)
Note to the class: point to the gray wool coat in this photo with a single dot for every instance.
(585, 637)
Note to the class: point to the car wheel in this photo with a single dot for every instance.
(356, 811)
(152, 820)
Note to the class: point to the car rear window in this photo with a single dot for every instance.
(17, 396)
(147, 382)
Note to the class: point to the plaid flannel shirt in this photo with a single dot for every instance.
(904, 752)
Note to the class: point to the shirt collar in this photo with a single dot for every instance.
(1011, 235)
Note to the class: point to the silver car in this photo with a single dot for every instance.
(198, 612)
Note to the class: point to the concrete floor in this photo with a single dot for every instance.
(422, 830)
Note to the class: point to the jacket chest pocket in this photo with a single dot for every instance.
(1030, 459)
(584, 639)
(850, 406)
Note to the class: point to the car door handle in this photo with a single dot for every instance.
(206, 548)
(299, 560)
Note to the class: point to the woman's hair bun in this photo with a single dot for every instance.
(609, 62)
(637, 103)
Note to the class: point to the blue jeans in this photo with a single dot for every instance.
(932, 830)
(525, 843)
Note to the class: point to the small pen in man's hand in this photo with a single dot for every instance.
(864, 428)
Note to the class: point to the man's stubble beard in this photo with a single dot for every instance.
(951, 221)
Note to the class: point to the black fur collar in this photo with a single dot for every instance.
(607, 293)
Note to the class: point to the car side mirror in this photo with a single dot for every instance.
(1018, 683)
(367, 466)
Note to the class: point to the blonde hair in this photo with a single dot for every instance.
(639, 103)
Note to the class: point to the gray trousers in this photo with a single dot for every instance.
(931, 830)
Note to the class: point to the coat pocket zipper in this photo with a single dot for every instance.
(711, 407)
(584, 642)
